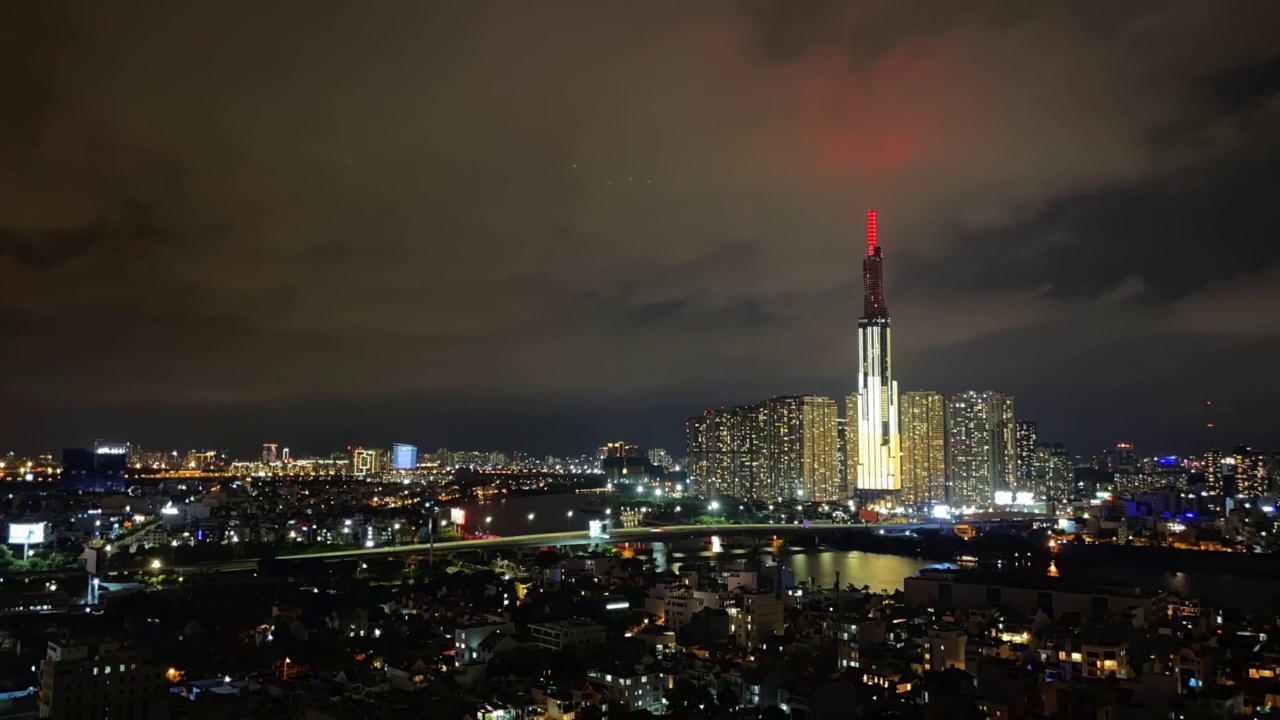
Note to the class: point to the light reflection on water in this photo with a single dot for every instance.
(510, 517)
(818, 568)
(887, 572)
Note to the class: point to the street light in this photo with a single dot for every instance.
(531, 522)
(568, 519)
(155, 564)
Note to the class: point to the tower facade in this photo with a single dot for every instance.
(874, 403)
(1027, 440)
(781, 449)
(924, 448)
(725, 448)
(981, 447)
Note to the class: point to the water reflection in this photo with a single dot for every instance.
(818, 569)
(510, 517)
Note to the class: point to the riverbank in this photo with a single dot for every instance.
(1171, 560)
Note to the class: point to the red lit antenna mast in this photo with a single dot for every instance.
(871, 232)
(1209, 432)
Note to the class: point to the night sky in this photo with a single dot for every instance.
(547, 225)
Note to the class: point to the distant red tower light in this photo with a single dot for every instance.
(871, 232)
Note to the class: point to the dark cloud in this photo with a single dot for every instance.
(563, 223)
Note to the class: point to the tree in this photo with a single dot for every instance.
(773, 712)
(684, 695)
(727, 699)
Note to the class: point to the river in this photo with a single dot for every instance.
(510, 516)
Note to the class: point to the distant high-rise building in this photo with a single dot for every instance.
(200, 459)
(874, 407)
(661, 458)
(1213, 473)
(724, 448)
(1053, 474)
(622, 449)
(269, 453)
(367, 461)
(284, 455)
(802, 440)
(1126, 458)
(782, 448)
(981, 447)
(1028, 436)
(924, 447)
(842, 427)
(102, 468)
(1251, 471)
(404, 456)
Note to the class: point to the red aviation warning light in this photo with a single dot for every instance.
(871, 232)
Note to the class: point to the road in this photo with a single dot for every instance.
(639, 534)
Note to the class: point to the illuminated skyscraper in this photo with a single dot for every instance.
(269, 453)
(842, 425)
(1027, 437)
(1053, 471)
(802, 448)
(1213, 473)
(875, 400)
(367, 462)
(1251, 472)
(621, 449)
(1126, 458)
(924, 448)
(782, 448)
(981, 447)
(725, 448)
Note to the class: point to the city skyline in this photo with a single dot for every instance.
(751, 360)
(248, 237)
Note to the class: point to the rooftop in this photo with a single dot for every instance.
(571, 623)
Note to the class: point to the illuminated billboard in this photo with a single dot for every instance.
(26, 533)
(1005, 497)
(458, 516)
(404, 457)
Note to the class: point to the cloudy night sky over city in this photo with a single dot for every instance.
(546, 225)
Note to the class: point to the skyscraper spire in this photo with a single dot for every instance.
(873, 408)
(873, 274)
(871, 232)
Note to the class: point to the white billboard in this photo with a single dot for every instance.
(596, 528)
(458, 516)
(1005, 497)
(26, 533)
